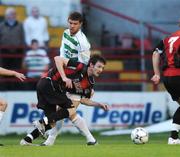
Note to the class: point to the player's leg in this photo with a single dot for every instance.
(53, 97)
(3, 106)
(27, 140)
(53, 133)
(51, 118)
(174, 138)
(80, 123)
(172, 85)
(47, 98)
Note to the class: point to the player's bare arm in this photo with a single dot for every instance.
(7, 72)
(156, 62)
(60, 63)
(89, 102)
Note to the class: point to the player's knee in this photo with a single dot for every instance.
(73, 116)
(53, 124)
(71, 111)
(3, 105)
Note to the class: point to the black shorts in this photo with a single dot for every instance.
(48, 97)
(172, 84)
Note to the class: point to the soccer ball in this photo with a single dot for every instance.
(139, 136)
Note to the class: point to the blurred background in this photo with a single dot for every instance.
(125, 32)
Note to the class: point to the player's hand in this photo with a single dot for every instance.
(20, 76)
(155, 79)
(68, 82)
(105, 107)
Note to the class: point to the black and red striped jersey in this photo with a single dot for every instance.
(77, 72)
(169, 48)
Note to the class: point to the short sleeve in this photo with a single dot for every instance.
(84, 49)
(160, 47)
(72, 63)
(80, 67)
(61, 49)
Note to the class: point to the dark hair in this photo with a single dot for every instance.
(34, 41)
(76, 16)
(97, 58)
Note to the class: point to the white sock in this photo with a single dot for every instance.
(175, 127)
(53, 133)
(1, 115)
(81, 125)
(50, 140)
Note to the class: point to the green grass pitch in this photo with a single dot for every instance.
(74, 146)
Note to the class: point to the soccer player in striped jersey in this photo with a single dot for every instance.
(167, 53)
(52, 88)
(74, 43)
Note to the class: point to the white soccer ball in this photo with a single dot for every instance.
(139, 135)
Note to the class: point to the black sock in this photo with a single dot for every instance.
(174, 134)
(35, 133)
(28, 139)
(42, 121)
(47, 126)
(53, 117)
(176, 120)
(176, 117)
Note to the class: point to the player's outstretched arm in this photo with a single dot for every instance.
(89, 102)
(6, 72)
(156, 68)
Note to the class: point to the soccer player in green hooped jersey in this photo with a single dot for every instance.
(75, 46)
(74, 43)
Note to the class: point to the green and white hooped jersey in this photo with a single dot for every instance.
(76, 46)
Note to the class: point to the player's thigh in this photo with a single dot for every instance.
(71, 111)
(75, 103)
(172, 85)
(49, 109)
